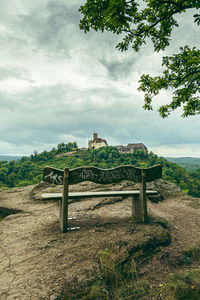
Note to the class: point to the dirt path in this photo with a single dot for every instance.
(36, 260)
(183, 219)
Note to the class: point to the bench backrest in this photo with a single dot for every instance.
(103, 176)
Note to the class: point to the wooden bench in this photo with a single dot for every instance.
(103, 176)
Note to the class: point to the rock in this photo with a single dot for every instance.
(166, 188)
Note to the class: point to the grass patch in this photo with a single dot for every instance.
(183, 286)
(187, 256)
(117, 280)
(117, 285)
(118, 276)
(193, 252)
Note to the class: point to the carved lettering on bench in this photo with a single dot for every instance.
(87, 175)
(54, 178)
(103, 176)
(52, 175)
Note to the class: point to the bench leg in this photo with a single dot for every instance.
(136, 208)
(143, 198)
(64, 203)
(139, 211)
(139, 204)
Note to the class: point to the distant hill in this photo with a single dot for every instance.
(9, 157)
(29, 170)
(190, 163)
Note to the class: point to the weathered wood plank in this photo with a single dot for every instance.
(64, 203)
(153, 173)
(58, 196)
(103, 176)
(136, 206)
(142, 217)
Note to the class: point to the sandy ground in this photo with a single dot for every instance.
(36, 260)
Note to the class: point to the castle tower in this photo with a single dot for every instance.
(97, 142)
(95, 136)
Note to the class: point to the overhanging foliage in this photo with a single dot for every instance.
(139, 21)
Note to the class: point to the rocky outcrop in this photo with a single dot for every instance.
(166, 188)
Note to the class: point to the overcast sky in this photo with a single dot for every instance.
(58, 84)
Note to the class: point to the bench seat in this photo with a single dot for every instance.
(76, 195)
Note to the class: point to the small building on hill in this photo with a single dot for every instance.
(130, 148)
(97, 142)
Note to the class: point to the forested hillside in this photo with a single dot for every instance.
(28, 170)
(190, 163)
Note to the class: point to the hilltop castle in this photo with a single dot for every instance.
(130, 148)
(97, 143)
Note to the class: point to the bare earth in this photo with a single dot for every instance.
(37, 261)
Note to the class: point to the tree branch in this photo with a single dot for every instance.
(158, 21)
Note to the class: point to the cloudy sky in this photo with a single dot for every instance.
(58, 84)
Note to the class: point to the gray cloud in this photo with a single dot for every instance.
(43, 122)
(8, 72)
(77, 83)
(118, 69)
(51, 27)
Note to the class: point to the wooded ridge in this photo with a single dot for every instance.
(29, 170)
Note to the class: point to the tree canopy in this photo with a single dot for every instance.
(140, 20)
